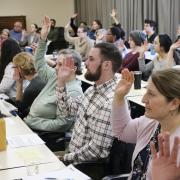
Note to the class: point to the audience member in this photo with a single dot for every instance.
(17, 32)
(114, 35)
(149, 28)
(92, 135)
(4, 35)
(178, 33)
(130, 61)
(96, 24)
(101, 36)
(44, 114)
(24, 69)
(162, 113)
(31, 37)
(73, 26)
(117, 24)
(82, 43)
(162, 45)
(174, 54)
(7, 84)
(53, 33)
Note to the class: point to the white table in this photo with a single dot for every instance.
(15, 173)
(14, 160)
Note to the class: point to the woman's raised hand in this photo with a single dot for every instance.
(123, 86)
(165, 163)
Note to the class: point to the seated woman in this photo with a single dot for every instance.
(174, 51)
(161, 45)
(31, 37)
(96, 24)
(130, 61)
(7, 84)
(4, 35)
(115, 35)
(24, 69)
(162, 113)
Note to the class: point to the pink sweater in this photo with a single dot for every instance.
(139, 131)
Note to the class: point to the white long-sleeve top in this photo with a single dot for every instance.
(8, 84)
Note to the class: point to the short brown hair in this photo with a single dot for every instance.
(25, 61)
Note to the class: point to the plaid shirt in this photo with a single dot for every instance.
(92, 135)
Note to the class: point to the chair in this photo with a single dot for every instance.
(117, 163)
(55, 141)
(136, 110)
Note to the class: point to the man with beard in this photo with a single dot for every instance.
(53, 33)
(92, 137)
(53, 37)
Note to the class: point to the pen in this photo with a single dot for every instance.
(50, 178)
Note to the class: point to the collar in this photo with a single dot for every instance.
(102, 88)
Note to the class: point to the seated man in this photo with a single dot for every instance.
(17, 32)
(82, 43)
(92, 137)
(149, 29)
(44, 113)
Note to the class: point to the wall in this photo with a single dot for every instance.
(34, 10)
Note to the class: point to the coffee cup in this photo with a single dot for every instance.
(137, 79)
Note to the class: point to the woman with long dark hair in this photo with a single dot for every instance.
(7, 85)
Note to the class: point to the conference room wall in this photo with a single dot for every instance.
(34, 10)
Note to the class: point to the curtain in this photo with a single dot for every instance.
(131, 13)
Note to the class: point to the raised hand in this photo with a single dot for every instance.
(123, 86)
(164, 163)
(46, 24)
(142, 49)
(113, 13)
(66, 71)
(175, 45)
(74, 15)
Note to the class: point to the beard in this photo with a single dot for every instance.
(93, 76)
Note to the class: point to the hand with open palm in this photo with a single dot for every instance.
(46, 24)
(164, 163)
(66, 71)
(113, 13)
(123, 86)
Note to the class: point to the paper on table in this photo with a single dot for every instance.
(24, 140)
(29, 154)
(68, 173)
(6, 107)
(3, 96)
(9, 121)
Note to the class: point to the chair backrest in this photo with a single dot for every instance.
(119, 160)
